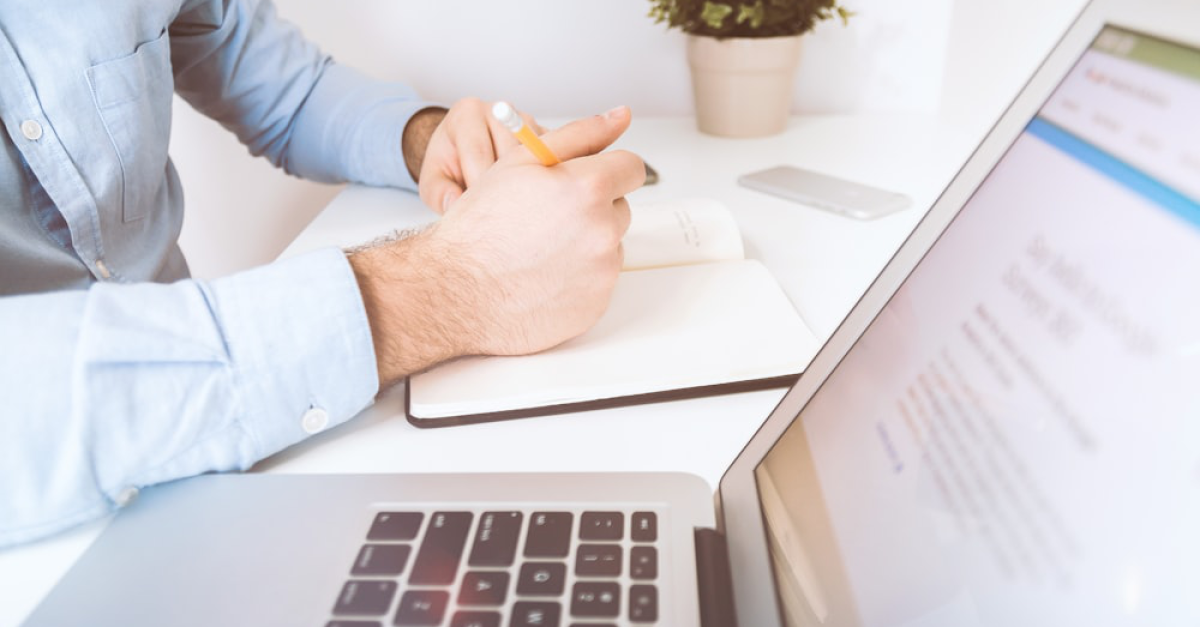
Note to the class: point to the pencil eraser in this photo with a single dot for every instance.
(507, 116)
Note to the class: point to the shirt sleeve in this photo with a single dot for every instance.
(122, 386)
(238, 63)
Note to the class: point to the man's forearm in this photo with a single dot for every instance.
(416, 137)
(526, 262)
(418, 300)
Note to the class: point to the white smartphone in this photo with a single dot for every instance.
(826, 192)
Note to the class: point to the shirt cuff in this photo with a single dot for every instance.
(299, 338)
(358, 123)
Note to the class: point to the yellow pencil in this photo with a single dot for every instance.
(507, 116)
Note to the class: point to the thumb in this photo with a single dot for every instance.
(438, 189)
(588, 136)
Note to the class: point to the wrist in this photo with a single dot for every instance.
(417, 300)
(415, 139)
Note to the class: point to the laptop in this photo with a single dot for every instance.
(1004, 431)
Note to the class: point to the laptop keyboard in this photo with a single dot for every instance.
(503, 569)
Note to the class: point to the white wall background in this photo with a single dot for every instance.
(557, 59)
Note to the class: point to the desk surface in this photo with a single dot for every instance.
(823, 261)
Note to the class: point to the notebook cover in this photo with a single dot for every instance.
(678, 394)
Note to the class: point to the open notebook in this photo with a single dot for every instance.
(690, 316)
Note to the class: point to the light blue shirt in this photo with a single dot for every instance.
(117, 371)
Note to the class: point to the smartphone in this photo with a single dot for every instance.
(826, 192)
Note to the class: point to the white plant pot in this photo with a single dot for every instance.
(743, 86)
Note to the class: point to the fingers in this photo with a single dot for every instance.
(439, 189)
(441, 180)
(532, 123)
(613, 174)
(475, 134)
(622, 216)
(467, 142)
(588, 136)
(481, 138)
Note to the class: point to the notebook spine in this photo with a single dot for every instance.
(714, 580)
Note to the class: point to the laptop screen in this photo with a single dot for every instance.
(1015, 439)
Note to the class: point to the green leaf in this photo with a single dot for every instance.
(753, 13)
(845, 15)
(753, 18)
(714, 14)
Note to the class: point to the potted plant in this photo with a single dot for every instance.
(743, 58)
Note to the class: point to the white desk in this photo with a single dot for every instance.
(823, 261)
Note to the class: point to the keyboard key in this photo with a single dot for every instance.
(601, 526)
(549, 534)
(395, 526)
(354, 623)
(598, 560)
(483, 588)
(596, 599)
(381, 559)
(475, 619)
(643, 527)
(643, 562)
(422, 608)
(643, 604)
(441, 549)
(496, 539)
(535, 614)
(542, 579)
(365, 598)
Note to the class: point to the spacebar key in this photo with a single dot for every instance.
(441, 550)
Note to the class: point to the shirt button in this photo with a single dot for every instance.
(315, 420)
(102, 268)
(126, 496)
(31, 130)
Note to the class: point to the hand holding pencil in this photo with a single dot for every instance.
(524, 256)
(465, 143)
(507, 116)
(541, 245)
(470, 139)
